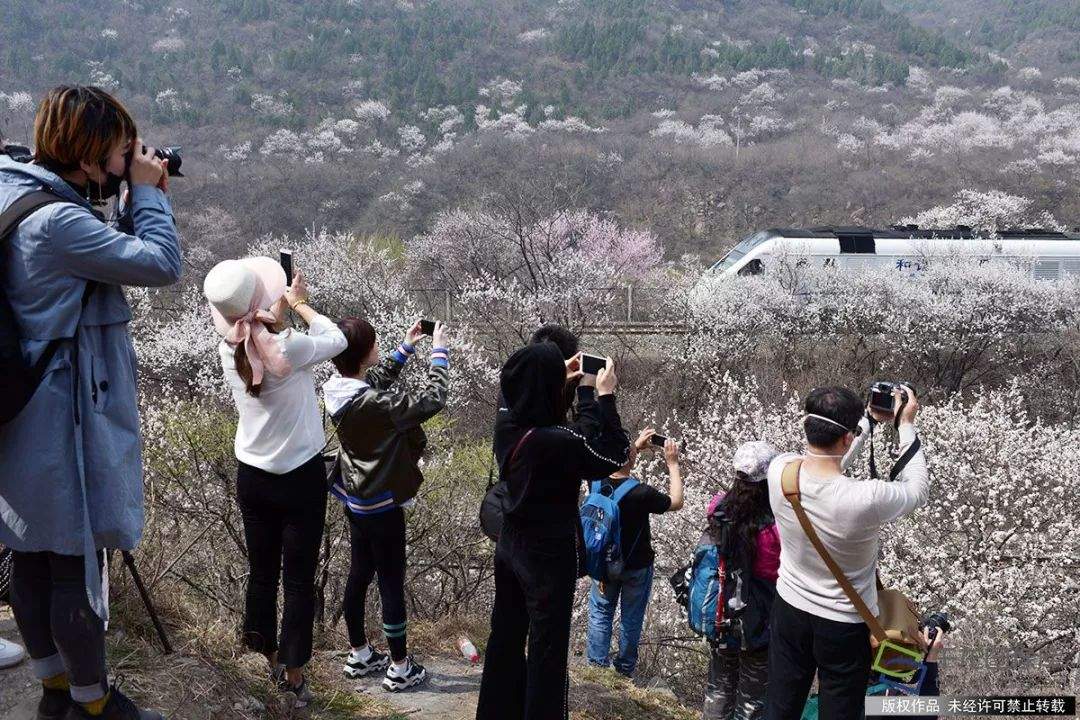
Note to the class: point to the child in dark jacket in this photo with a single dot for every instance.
(381, 438)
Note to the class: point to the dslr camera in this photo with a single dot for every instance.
(881, 395)
(170, 154)
(937, 623)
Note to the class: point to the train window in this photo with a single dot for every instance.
(746, 245)
(1046, 270)
(856, 243)
(754, 267)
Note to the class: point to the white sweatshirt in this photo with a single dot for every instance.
(282, 428)
(847, 515)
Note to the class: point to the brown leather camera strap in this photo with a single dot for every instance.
(789, 484)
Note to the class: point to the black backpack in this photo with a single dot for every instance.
(18, 379)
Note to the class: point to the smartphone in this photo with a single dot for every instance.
(286, 265)
(592, 364)
(658, 440)
(427, 327)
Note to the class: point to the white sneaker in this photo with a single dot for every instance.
(11, 654)
(413, 674)
(355, 667)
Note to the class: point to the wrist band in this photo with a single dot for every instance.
(299, 303)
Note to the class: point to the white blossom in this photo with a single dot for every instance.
(371, 111)
(411, 138)
(531, 36)
(168, 44)
(271, 106)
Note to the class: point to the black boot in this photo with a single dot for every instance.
(118, 707)
(54, 704)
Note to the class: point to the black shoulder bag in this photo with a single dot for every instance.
(493, 507)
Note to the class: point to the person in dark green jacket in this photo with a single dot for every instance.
(381, 443)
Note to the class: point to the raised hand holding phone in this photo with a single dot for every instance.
(644, 438)
(573, 371)
(606, 380)
(440, 337)
(671, 452)
(415, 333)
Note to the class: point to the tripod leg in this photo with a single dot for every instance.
(130, 562)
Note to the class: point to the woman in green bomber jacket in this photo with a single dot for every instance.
(382, 440)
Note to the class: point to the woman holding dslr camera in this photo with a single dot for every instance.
(71, 459)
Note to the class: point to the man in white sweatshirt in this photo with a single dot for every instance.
(814, 627)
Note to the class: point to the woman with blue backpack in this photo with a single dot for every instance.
(742, 527)
(618, 541)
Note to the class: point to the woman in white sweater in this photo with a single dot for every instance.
(280, 481)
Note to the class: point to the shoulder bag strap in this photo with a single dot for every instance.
(22, 207)
(15, 213)
(491, 458)
(514, 452)
(789, 482)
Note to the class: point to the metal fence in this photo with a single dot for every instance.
(627, 305)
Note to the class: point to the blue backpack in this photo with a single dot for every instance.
(726, 604)
(601, 528)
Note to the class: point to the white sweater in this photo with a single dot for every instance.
(847, 515)
(282, 428)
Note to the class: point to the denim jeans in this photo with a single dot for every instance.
(631, 593)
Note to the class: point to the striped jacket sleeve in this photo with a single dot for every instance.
(408, 411)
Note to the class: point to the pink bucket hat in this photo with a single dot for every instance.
(241, 294)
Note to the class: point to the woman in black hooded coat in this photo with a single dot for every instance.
(536, 558)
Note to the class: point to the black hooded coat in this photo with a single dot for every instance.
(544, 479)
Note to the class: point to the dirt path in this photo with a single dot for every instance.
(18, 689)
(189, 688)
(449, 693)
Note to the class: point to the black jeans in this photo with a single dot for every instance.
(799, 644)
(378, 547)
(534, 594)
(738, 682)
(62, 632)
(283, 526)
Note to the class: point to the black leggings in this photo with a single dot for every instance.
(62, 632)
(534, 596)
(283, 526)
(378, 547)
(799, 644)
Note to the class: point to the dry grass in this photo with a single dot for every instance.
(603, 694)
(208, 676)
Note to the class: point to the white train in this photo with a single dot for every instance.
(1051, 255)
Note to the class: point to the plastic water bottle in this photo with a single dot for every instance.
(468, 650)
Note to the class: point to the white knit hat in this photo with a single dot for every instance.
(752, 459)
